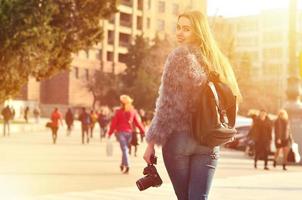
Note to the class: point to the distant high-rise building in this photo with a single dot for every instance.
(265, 39)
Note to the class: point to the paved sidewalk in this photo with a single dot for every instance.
(32, 168)
(277, 186)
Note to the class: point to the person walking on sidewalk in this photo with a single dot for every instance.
(103, 120)
(262, 138)
(85, 120)
(55, 118)
(94, 118)
(69, 118)
(283, 138)
(37, 113)
(26, 112)
(123, 120)
(190, 166)
(7, 115)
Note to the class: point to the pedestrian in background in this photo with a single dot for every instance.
(56, 117)
(85, 120)
(122, 124)
(7, 115)
(262, 137)
(36, 113)
(283, 138)
(69, 118)
(94, 119)
(250, 143)
(26, 112)
(190, 166)
(104, 120)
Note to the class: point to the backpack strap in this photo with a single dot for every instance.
(212, 87)
(222, 113)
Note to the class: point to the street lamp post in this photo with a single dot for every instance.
(293, 104)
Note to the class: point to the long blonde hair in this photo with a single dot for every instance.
(213, 57)
(126, 102)
(283, 114)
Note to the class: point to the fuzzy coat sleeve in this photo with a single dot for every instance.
(181, 76)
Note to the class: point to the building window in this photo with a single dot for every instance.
(140, 4)
(175, 8)
(122, 57)
(148, 23)
(125, 20)
(76, 72)
(161, 25)
(109, 56)
(110, 37)
(139, 23)
(126, 2)
(149, 4)
(87, 74)
(111, 19)
(124, 39)
(161, 6)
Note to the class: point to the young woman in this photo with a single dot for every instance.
(122, 123)
(56, 117)
(282, 137)
(190, 166)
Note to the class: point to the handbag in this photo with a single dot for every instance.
(109, 148)
(293, 154)
(48, 125)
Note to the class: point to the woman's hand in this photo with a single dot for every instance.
(148, 152)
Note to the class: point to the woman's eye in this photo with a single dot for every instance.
(186, 29)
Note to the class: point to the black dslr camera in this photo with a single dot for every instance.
(152, 178)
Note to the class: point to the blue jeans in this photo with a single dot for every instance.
(191, 167)
(124, 139)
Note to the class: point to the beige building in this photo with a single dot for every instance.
(265, 39)
(135, 17)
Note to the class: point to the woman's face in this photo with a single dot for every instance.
(184, 32)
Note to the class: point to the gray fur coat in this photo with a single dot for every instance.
(182, 78)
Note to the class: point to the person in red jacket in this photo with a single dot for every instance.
(56, 116)
(122, 124)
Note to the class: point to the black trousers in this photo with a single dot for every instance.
(261, 152)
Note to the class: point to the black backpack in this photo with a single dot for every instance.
(214, 117)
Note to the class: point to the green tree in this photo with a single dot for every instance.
(103, 88)
(38, 37)
(134, 60)
(146, 84)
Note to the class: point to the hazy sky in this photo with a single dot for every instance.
(244, 7)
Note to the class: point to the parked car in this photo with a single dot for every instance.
(242, 142)
(243, 125)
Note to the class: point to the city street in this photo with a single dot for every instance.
(31, 167)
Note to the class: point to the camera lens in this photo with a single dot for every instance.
(144, 183)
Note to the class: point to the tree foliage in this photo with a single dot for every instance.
(134, 60)
(140, 79)
(38, 37)
(145, 86)
(103, 88)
